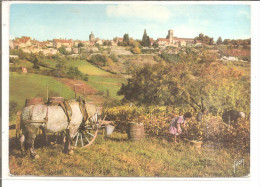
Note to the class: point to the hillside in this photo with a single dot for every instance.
(24, 86)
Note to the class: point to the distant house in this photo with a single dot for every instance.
(68, 49)
(151, 41)
(49, 51)
(57, 43)
(163, 41)
(117, 40)
(100, 42)
(91, 44)
(183, 41)
(75, 50)
(22, 42)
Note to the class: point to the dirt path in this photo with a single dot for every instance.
(80, 86)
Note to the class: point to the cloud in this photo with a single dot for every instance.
(147, 12)
(244, 13)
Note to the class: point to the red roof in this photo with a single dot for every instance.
(186, 39)
(120, 39)
(163, 39)
(62, 41)
(24, 39)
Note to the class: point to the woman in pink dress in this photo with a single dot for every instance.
(175, 125)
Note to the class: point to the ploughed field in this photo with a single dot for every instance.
(116, 156)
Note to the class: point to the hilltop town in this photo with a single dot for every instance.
(51, 47)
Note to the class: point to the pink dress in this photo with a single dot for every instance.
(173, 125)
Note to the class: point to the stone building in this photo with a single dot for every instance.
(170, 40)
(57, 43)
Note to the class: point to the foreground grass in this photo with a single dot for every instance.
(116, 156)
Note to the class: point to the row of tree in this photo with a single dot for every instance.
(210, 41)
(186, 85)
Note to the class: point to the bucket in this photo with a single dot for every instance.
(135, 131)
(34, 101)
(109, 129)
(196, 144)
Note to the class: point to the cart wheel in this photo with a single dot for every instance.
(85, 136)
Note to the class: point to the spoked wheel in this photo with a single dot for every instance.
(85, 136)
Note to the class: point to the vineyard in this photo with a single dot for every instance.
(156, 121)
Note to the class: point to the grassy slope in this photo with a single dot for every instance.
(98, 78)
(86, 67)
(116, 156)
(24, 86)
(103, 84)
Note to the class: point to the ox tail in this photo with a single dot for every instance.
(18, 124)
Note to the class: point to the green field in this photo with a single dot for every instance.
(83, 66)
(24, 86)
(86, 67)
(103, 84)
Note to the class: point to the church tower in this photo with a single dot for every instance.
(91, 37)
(170, 36)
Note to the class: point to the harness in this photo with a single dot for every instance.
(65, 107)
(83, 110)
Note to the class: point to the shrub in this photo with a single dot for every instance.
(12, 109)
(114, 58)
(99, 60)
(171, 58)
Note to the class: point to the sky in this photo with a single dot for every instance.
(106, 21)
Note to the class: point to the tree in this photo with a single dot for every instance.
(227, 42)
(146, 40)
(99, 60)
(155, 44)
(62, 50)
(219, 41)
(136, 50)
(114, 58)
(126, 39)
(61, 66)
(204, 39)
(80, 44)
(74, 73)
(211, 41)
(36, 63)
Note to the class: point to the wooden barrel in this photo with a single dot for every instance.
(135, 131)
(55, 99)
(34, 101)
